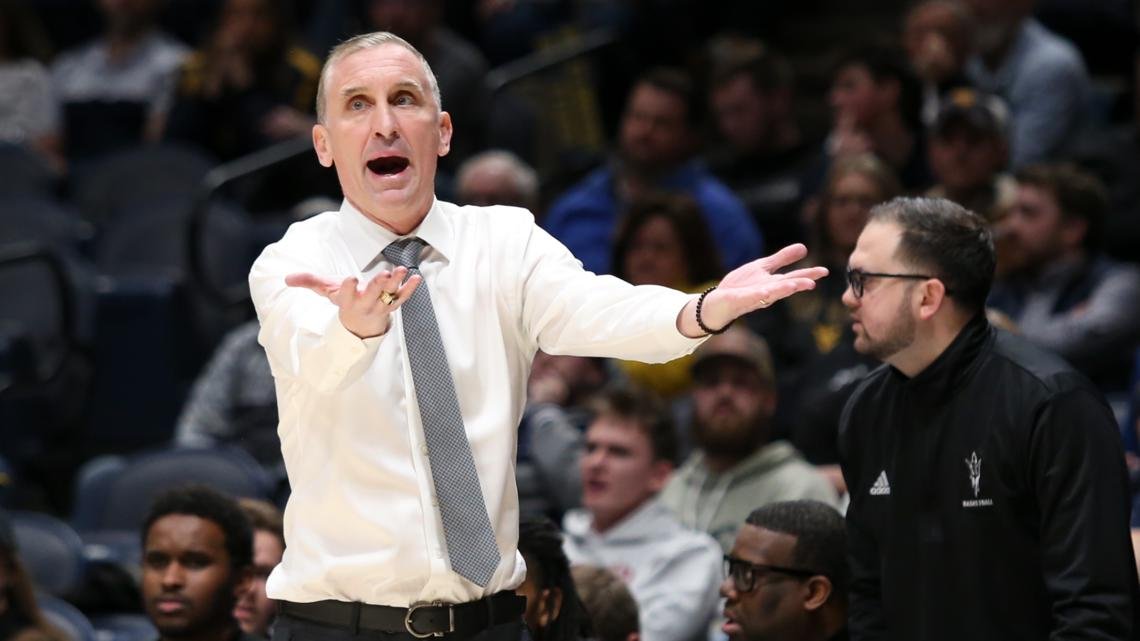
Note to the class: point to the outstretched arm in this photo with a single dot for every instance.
(751, 286)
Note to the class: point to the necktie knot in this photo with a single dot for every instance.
(405, 252)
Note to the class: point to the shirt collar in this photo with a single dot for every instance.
(366, 238)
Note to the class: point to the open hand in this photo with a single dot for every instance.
(362, 311)
(752, 286)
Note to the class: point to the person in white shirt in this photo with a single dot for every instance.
(673, 572)
(366, 543)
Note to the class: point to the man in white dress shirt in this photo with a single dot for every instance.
(367, 549)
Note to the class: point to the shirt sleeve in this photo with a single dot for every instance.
(1100, 328)
(555, 449)
(1077, 472)
(1047, 108)
(568, 310)
(301, 330)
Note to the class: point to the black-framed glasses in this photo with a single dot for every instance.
(857, 279)
(745, 573)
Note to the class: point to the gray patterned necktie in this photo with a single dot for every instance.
(470, 540)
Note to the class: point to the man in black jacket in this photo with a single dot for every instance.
(988, 493)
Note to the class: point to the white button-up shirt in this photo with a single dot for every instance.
(362, 523)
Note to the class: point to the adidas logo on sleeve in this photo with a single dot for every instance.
(881, 486)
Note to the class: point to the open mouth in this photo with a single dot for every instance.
(388, 165)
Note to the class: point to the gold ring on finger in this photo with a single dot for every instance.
(387, 298)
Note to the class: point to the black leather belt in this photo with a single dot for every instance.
(421, 620)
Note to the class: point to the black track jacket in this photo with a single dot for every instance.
(989, 500)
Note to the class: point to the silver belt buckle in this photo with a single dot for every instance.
(429, 604)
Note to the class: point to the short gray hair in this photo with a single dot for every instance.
(524, 179)
(371, 41)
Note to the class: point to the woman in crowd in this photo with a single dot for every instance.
(663, 240)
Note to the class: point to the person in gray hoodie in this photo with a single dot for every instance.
(736, 467)
(674, 573)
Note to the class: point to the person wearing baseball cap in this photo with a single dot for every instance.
(736, 466)
(969, 153)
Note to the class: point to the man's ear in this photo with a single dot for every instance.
(550, 606)
(321, 145)
(659, 474)
(933, 293)
(817, 590)
(1073, 231)
(445, 131)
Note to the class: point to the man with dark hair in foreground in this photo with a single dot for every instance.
(989, 498)
(197, 556)
(786, 577)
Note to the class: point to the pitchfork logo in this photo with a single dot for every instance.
(974, 464)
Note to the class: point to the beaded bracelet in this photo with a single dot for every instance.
(701, 323)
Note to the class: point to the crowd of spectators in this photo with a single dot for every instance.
(726, 139)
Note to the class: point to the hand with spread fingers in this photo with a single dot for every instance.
(751, 286)
(364, 312)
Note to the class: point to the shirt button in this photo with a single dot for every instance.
(423, 449)
(435, 501)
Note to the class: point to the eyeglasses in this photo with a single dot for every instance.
(857, 279)
(745, 573)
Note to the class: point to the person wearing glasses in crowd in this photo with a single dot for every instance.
(989, 498)
(786, 577)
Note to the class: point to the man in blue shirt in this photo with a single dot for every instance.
(655, 152)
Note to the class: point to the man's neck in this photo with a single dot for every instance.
(721, 462)
(913, 360)
(602, 523)
(223, 631)
(399, 223)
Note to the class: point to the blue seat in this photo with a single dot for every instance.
(50, 550)
(112, 187)
(124, 627)
(67, 618)
(122, 502)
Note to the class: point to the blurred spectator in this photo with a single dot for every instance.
(655, 151)
(737, 466)
(937, 37)
(255, 611)
(550, 439)
(29, 111)
(553, 610)
(671, 571)
(969, 153)
(116, 88)
(819, 325)
(607, 600)
(1061, 291)
(1039, 74)
(249, 86)
(760, 153)
(497, 177)
(786, 577)
(233, 402)
(663, 240)
(854, 184)
(20, 616)
(458, 66)
(876, 108)
(197, 555)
